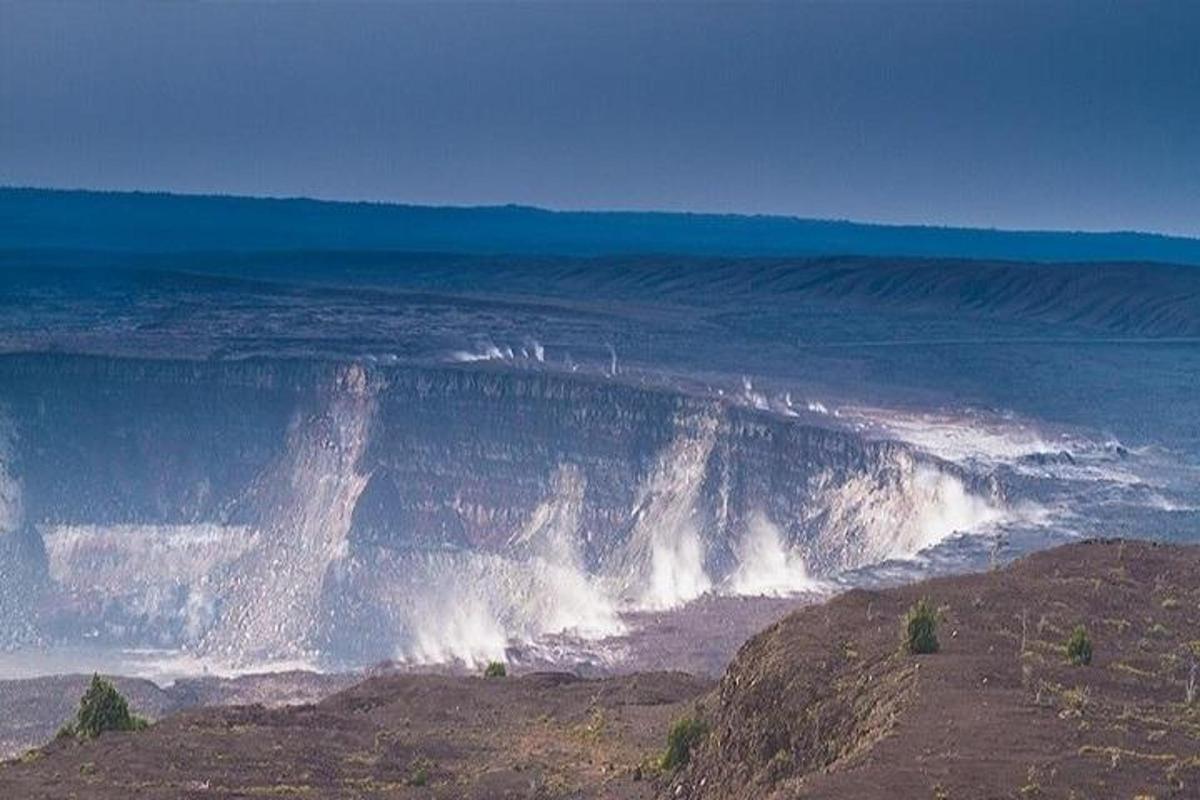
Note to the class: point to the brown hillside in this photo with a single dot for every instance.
(824, 704)
(405, 736)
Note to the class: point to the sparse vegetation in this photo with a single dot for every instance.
(594, 729)
(920, 628)
(1079, 647)
(418, 772)
(495, 669)
(782, 764)
(1160, 631)
(684, 735)
(1076, 700)
(102, 708)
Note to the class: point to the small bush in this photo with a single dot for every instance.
(920, 629)
(101, 709)
(418, 772)
(1079, 647)
(684, 735)
(495, 669)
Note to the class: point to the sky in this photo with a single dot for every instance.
(1063, 115)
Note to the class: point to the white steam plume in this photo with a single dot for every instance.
(766, 566)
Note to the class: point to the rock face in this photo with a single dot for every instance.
(282, 509)
(825, 703)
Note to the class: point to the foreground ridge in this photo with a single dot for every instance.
(825, 703)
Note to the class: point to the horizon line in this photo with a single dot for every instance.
(769, 216)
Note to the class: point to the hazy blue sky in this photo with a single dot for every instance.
(1047, 115)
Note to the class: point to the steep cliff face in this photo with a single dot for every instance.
(283, 509)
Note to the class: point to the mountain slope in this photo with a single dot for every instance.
(824, 705)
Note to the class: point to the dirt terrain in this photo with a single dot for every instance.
(34, 708)
(433, 736)
(823, 704)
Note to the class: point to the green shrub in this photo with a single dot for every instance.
(684, 735)
(920, 628)
(418, 772)
(102, 708)
(1079, 647)
(495, 669)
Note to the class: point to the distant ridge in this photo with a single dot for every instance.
(40, 219)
